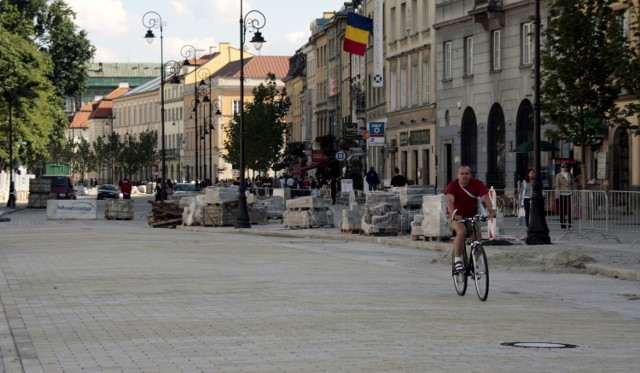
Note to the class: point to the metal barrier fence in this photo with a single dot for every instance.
(585, 211)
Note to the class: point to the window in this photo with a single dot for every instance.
(623, 21)
(414, 85)
(392, 24)
(425, 81)
(468, 56)
(527, 43)
(446, 68)
(414, 16)
(425, 14)
(403, 87)
(403, 20)
(236, 106)
(495, 50)
(392, 90)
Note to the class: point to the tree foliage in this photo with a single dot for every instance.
(42, 58)
(264, 128)
(585, 65)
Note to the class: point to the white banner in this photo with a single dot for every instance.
(378, 45)
(61, 209)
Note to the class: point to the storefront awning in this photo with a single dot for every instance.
(314, 165)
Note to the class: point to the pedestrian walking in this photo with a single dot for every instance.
(372, 179)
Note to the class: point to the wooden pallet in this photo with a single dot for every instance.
(165, 215)
(350, 230)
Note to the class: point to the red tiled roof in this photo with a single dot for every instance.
(257, 67)
(116, 93)
(81, 117)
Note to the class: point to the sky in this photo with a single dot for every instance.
(115, 27)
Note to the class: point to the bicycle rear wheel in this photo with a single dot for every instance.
(459, 278)
(480, 272)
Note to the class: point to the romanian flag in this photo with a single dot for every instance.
(357, 34)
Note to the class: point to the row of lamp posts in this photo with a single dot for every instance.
(253, 21)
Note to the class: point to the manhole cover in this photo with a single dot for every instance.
(538, 345)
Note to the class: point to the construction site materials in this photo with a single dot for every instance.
(116, 209)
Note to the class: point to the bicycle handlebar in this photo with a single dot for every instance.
(470, 219)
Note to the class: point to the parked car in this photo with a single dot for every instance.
(108, 191)
(61, 186)
(183, 189)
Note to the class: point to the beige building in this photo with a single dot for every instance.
(410, 94)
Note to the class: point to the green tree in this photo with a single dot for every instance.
(103, 160)
(42, 58)
(584, 63)
(148, 149)
(264, 128)
(84, 157)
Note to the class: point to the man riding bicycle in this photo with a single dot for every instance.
(462, 194)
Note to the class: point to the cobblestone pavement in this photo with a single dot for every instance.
(118, 296)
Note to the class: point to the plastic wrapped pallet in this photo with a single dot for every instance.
(411, 195)
(217, 195)
(308, 202)
(275, 206)
(258, 214)
(382, 224)
(118, 209)
(37, 200)
(351, 219)
(308, 218)
(374, 198)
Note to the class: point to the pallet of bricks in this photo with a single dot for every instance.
(433, 224)
(381, 214)
(165, 214)
(118, 209)
(352, 217)
(308, 212)
(221, 207)
(258, 213)
(39, 190)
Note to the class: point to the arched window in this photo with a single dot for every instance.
(496, 152)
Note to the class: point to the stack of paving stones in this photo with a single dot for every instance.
(220, 207)
(308, 212)
(381, 214)
(411, 195)
(433, 224)
(39, 190)
(274, 205)
(258, 214)
(352, 217)
(165, 214)
(118, 209)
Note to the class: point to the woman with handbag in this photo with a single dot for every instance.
(526, 192)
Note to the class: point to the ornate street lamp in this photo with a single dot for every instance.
(217, 105)
(246, 23)
(189, 52)
(538, 232)
(153, 20)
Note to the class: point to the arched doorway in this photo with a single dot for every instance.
(524, 133)
(620, 160)
(469, 139)
(496, 152)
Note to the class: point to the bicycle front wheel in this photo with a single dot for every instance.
(459, 278)
(480, 272)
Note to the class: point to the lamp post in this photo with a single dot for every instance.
(190, 52)
(203, 89)
(246, 23)
(112, 136)
(11, 183)
(152, 20)
(538, 232)
(217, 105)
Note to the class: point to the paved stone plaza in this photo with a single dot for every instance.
(118, 296)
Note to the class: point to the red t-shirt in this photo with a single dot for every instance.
(465, 204)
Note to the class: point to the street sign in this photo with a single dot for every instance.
(376, 134)
(341, 156)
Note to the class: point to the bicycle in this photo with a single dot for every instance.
(475, 261)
